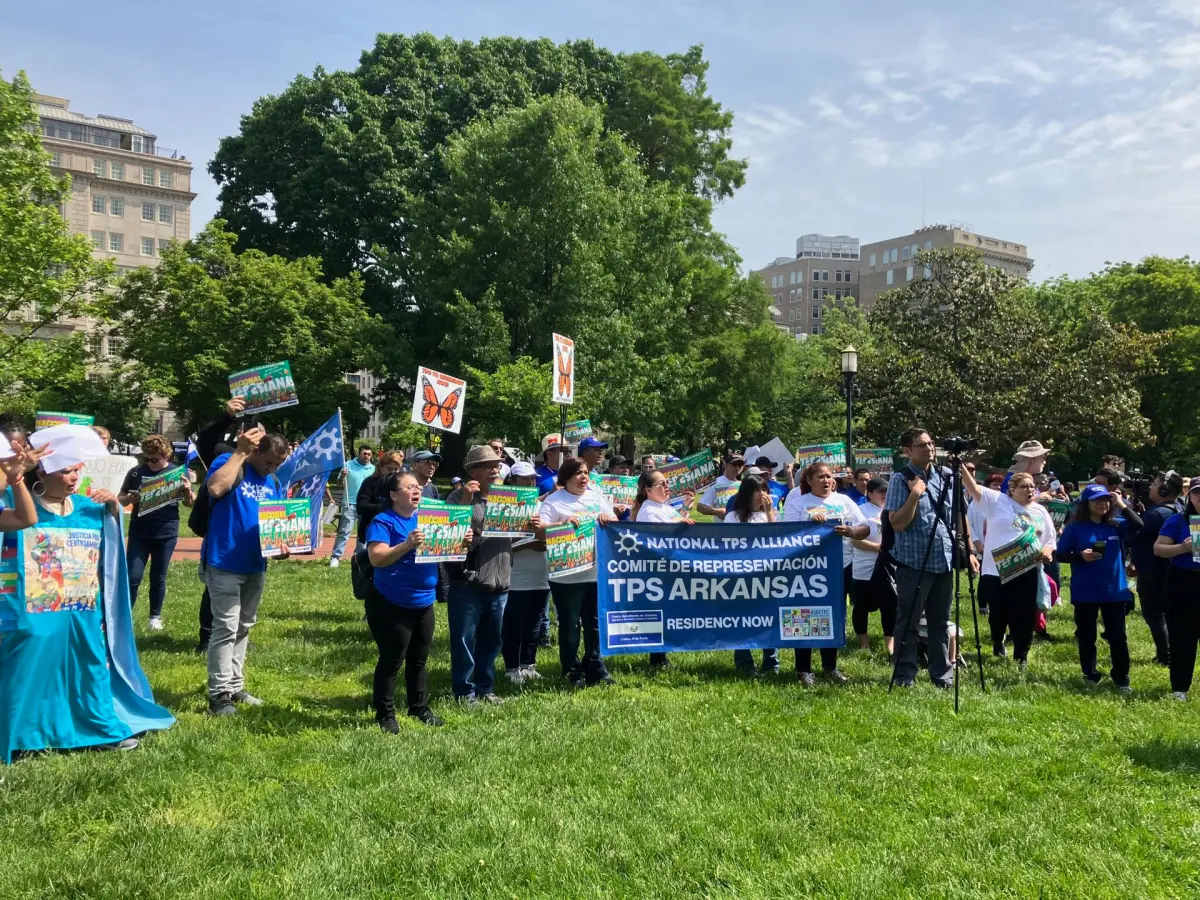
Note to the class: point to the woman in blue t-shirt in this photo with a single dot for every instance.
(401, 602)
(1092, 546)
(1183, 592)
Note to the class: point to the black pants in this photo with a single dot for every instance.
(1013, 606)
(403, 636)
(578, 616)
(1183, 618)
(1113, 615)
(522, 627)
(829, 655)
(1152, 591)
(877, 594)
(158, 551)
(205, 618)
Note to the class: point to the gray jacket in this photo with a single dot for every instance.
(488, 567)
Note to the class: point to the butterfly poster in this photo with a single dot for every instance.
(439, 400)
(563, 388)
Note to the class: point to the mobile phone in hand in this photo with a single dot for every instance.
(1098, 547)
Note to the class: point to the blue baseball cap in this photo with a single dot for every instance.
(1094, 492)
(592, 443)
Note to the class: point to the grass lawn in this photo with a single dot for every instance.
(693, 783)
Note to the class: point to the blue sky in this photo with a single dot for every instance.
(1067, 125)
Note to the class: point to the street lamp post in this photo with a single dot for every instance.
(849, 370)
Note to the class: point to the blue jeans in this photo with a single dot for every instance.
(158, 551)
(476, 620)
(346, 523)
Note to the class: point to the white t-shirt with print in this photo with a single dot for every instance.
(709, 497)
(562, 505)
(1006, 520)
(863, 562)
(800, 508)
(653, 511)
(758, 517)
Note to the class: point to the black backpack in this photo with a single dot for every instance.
(203, 504)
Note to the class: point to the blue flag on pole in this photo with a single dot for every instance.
(719, 587)
(192, 453)
(321, 452)
(314, 489)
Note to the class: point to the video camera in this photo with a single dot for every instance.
(957, 445)
(1137, 486)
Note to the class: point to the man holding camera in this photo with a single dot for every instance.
(919, 508)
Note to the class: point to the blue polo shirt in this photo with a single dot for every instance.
(232, 539)
(1178, 530)
(547, 480)
(405, 582)
(911, 543)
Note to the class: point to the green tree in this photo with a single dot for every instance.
(47, 275)
(206, 311)
(972, 351)
(117, 395)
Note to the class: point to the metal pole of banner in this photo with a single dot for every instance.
(562, 426)
(849, 370)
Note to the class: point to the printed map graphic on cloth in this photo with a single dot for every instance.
(571, 548)
(284, 523)
(689, 474)
(445, 529)
(163, 489)
(265, 387)
(509, 510)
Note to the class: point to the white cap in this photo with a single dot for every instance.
(523, 469)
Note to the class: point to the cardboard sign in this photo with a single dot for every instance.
(50, 419)
(265, 387)
(620, 489)
(689, 474)
(285, 524)
(833, 455)
(439, 400)
(563, 386)
(570, 548)
(509, 510)
(775, 450)
(880, 460)
(445, 529)
(167, 487)
(577, 431)
(105, 473)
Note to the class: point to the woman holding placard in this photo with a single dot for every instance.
(153, 534)
(653, 504)
(816, 500)
(1019, 539)
(1183, 591)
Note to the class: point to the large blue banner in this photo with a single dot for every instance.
(666, 588)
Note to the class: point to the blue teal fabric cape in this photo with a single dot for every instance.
(69, 670)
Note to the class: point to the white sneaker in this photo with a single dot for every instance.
(516, 676)
(334, 562)
(155, 623)
(530, 673)
(1178, 695)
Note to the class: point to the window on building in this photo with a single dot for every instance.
(147, 246)
(908, 274)
(116, 206)
(166, 214)
(824, 274)
(99, 168)
(117, 172)
(816, 312)
(889, 275)
(116, 242)
(56, 159)
(115, 346)
(837, 276)
(928, 273)
(163, 244)
(166, 178)
(99, 205)
(148, 176)
(147, 212)
(816, 293)
(799, 278)
(138, 144)
(905, 252)
(97, 240)
(871, 260)
(94, 344)
(791, 277)
(929, 245)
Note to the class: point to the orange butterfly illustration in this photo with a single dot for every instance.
(433, 408)
(566, 365)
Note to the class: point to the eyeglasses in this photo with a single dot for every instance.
(656, 484)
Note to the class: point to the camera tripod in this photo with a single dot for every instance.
(952, 491)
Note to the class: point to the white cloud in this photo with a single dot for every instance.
(1183, 52)
(873, 151)
(1191, 163)
(827, 109)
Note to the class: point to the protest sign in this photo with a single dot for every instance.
(43, 419)
(833, 455)
(776, 451)
(105, 473)
(1059, 511)
(265, 387)
(620, 489)
(563, 386)
(690, 473)
(445, 529)
(1018, 556)
(509, 510)
(719, 587)
(879, 460)
(439, 400)
(284, 524)
(571, 549)
(577, 431)
(1194, 531)
(167, 487)
(724, 493)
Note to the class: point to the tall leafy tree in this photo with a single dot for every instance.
(207, 311)
(47, 275)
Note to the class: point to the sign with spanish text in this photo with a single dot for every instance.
(509, 510)
(690, 473)
(445, 530)
(833, 455)
(167, 487)
(1059, 511)
(439, 400)
(1194, 530)
(880, 460)
(265, 387)
(577, 431)
(50, 419)
(571, 549)
(1018, 556)
(563, 386)
(284, 525)
(620, 489)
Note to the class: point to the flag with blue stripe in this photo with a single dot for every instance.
(322, 452)
(314, 489)
(192, 453)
